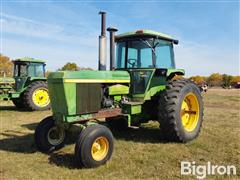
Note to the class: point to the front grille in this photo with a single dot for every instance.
(88, 98)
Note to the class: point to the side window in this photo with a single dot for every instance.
(164, 56)
(16, 70)
(121, 50)
(23, 70)
(39, 70)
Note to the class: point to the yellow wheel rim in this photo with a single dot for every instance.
(190, 112)
(40, 97)
(100, 148)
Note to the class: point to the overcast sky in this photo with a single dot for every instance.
(63, 31)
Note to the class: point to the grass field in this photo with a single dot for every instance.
(138, 154)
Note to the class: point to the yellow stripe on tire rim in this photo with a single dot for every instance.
(190, 112)
(100, 148)
(40, 97)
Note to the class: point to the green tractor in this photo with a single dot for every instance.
(139, 88)
(28, 88)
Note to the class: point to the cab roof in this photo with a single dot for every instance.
(147, 33)
(28, 59)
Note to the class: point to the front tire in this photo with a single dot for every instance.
(48, 136)
(181, 111)
(94, 146)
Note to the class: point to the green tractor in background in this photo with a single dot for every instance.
(28, 87)
(139, 88)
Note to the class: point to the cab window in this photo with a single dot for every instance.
(20, 70)
(145, 53)
(164, 55)
(36, 70)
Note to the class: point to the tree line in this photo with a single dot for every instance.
(69, 66)
(215, 79)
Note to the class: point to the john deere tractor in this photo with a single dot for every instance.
(28, 88)
(139, 87)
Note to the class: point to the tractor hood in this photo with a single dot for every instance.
(89, 77)
(70, 91)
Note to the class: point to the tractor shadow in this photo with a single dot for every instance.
(31, 126)
(12, 108)
(16, 141)
(23, 142)
(63, 159)
(142, 134)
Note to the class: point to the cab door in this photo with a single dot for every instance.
(20, 75)
(140, 79)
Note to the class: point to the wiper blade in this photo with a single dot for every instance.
(149, 45)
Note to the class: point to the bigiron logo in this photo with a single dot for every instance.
(202, 171)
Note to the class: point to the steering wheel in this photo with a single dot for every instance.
(132, 62)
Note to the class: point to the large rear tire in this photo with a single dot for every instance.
(94, 146)
(36, 97)
(181, 111)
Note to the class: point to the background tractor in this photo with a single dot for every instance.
(28, 87)
(139, 87)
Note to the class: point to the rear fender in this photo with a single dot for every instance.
(171, 73)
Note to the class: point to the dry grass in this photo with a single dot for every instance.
(138, 154)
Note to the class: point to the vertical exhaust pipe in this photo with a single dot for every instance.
(102, 44)
(112, 31)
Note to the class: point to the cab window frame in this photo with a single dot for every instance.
(154, 63)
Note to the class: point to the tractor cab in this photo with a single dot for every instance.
(145, 55)
(26, 69)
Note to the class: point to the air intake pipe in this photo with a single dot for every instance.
(112, 31)
(102, 44)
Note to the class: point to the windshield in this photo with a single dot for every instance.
(36, 70)
(145, 53)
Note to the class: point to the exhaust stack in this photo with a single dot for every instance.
(112, 31)
(102, 44)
